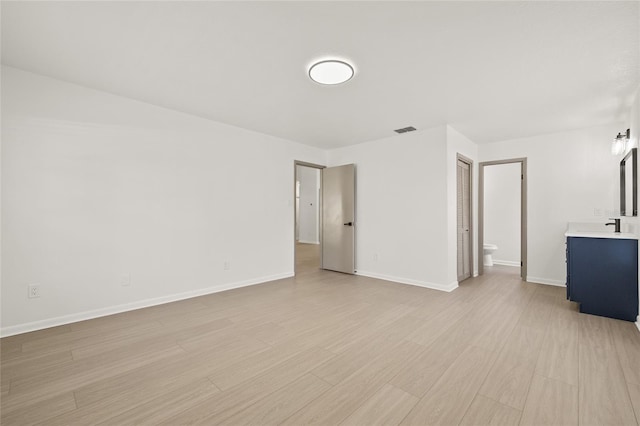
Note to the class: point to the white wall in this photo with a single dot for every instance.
(633, 122)
(401, 215)
(572, 177)
(95, 186)
(406, 205)
(308, 213)
(502, 212)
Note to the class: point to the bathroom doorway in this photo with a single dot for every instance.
(502, 214)
(307, 187)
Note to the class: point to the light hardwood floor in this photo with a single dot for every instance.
(307, 258)
(328, 348)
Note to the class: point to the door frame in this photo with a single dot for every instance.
(468, 161)
(523, 212)
(297, 163)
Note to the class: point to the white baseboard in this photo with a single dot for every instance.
(638, 322)
(308, 242)
(448, 288)
(546, 281)
(506, 262)
(111, 310)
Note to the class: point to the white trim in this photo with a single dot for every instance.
(638, 322)
(546, 281)
(308, 242)
(441, 287)
(506, 262)
(96, 313)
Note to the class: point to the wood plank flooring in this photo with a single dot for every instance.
(327, 348)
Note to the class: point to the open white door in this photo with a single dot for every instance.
(338, 218)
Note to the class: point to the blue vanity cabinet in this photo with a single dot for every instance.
(602, 275)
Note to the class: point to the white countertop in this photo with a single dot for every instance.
(599, 230)
(598, 234)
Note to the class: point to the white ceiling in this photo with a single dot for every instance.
(493, 70)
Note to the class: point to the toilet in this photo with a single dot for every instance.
(488, 250)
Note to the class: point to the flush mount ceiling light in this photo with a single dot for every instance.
(331, 72)
(619, 144)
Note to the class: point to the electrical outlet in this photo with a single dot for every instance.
(33, 291)
(226, 265)
(125, 280)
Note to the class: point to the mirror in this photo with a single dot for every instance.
(629, 184)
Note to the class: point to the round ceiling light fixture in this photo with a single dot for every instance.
(331, 72)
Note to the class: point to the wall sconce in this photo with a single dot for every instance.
(619, 144)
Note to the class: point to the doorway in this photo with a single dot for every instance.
(307, 209)
(324, 218)
(502, 214)
(464, 214)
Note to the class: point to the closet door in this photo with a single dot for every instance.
(463, 181)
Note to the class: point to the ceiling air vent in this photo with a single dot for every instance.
(405, 129)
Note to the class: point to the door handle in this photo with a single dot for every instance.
(348, 224)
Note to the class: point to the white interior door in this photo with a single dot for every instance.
(338, 218)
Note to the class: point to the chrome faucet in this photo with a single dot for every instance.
(616, 223)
